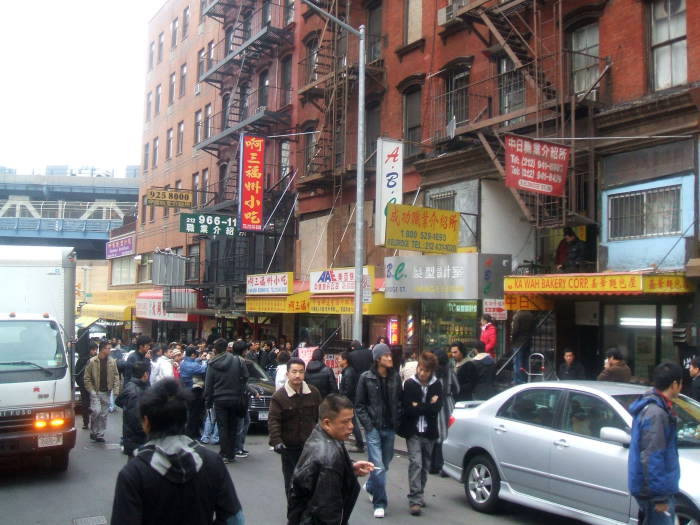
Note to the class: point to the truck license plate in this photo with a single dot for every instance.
(263, 415)
(50, 441)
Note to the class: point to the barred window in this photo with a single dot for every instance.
(443, 201)
(646, 213)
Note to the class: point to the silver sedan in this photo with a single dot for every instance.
(561, 447)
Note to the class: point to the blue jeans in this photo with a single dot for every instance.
(380, 451)
(520, 361)
(211, 429)
(236, 519)
(243, 425)
(653, 517)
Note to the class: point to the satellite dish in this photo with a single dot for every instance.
(451, 127)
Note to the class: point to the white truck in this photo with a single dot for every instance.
(37, 320)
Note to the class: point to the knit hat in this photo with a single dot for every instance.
(380, 350)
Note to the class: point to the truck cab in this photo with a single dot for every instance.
(36, 405)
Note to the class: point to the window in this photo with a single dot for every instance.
(174, 27)
(412, 131)
(511, 87)
(535, 406)
(166, 210)
(311, 58)
(584, 60)
(210, 54)
(263, 86)
(185, 22)
(156, 143)
(159, 94)
(195, 189)
(243, 92)
(161, 44)
(413, 20)
(374, 33)
(443, 201)
(192, 269)
(151, 55)
(647, 213)
(266, 12)
(146, 149)
(669, 43)
(171, 89)
(149, 104)
(180, 137)
(309, 150)
(144, 269)
(198, 127)
(288, 12)
(144, 208)
(183, 80)
(286, 81)
(169, 144)
(201, 57)
(372, 119)
(457, 99)
(178, 186)
(123, 271)
(202, 9)
(203, 194)
(585, 415)
(207, 121)
(223, 168)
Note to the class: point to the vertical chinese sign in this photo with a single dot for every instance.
(389, 187)
(536, 166)
(251, 183)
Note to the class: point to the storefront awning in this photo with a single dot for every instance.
(278, 304)
(85, 321)
(621, 283)
(111, 312)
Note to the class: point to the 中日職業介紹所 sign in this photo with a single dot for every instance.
(169, 198)
(422, 229)
(536, 166)
(208, 224)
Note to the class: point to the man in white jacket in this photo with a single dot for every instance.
(162, 366)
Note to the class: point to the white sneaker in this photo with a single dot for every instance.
(379, 513)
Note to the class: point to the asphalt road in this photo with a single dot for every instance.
(32, 495)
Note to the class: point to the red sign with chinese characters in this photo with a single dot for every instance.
(251, 183)
(536, 166)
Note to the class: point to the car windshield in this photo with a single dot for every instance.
(688, 412)
(30, 345)
(256, 372)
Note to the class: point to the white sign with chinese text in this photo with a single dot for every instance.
(152, 308)
(340, 281)
(270, 284)
(496, 309)
(389, 185)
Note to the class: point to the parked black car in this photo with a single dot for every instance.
(261, 383)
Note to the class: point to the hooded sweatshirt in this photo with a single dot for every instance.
(174, 480)
(226, 380)
(322, 377)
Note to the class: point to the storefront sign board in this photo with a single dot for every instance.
(121, 247)
(495, 308)
(340, 280)
(389, 184)
(152, 308)
(280, 304)
(603, 283)
(270, 284)
(169, 198)
(528, 302)
(251, 183)
(536, 166)
(456, 276)
(661, 284)
(208, 224)
(422, 229)
(332, 305)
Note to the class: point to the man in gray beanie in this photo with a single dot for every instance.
(378, 405)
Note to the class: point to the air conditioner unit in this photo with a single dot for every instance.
(197, 88)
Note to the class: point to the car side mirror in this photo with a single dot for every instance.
(616, 435)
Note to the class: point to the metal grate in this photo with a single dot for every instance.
(443, 201)
(648, 213)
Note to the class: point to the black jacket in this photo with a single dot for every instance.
(322, 377)
(466, 379)
(484, 377)
(134, 358)
(226, 381)
(80, 366)
(370, 405)
(324, 488)
(166, 483)
(128, 401)
(695, 388)
(361, 360)
(348, 383)
(414, 407)
(575, 371)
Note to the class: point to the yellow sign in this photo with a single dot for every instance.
(109, 312)
(346, 305)
(602, 283)
(332, 305)
(666, 284)
(169, 198)
(275, 304)
(528, 302)
(422, 229)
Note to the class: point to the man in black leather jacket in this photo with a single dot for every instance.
(324, 487)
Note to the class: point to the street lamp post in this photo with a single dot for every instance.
(360, 185)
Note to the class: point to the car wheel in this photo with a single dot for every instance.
(686, 514)
(482, 484)
(59, 461)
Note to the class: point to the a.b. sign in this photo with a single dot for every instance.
(422, 229)
(389, 189)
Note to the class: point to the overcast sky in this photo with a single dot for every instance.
(73, 74)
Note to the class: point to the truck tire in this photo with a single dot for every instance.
(59, 460)
(482, 484)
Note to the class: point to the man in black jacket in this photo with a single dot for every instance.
(695, 379)
(133, 435)
(378, 404)
(360, 358)
(324, 487)
(225, 389)
(151, 486)
(348, 387)
(422, 402)
(320, 376)
(571, 368)
(143, 345)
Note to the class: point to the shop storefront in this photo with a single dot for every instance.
(112, 314)
(161, 325)
(591, 313)
(272, 316)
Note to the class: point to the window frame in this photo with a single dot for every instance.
(185, 22)
(146, 156)
(411, 148)
(149, 105)
(174, 29)
(666, 43)
(208, 121)
(157, 99)
(183, 80)
(556, 410)
(668, 232)
(169, 140)
(198, 126)
(156, 146)
(593, 65)
(172, 81)
(161, 46)
(151, 55)
(180, 141)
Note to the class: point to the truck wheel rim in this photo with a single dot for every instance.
(480, 483)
